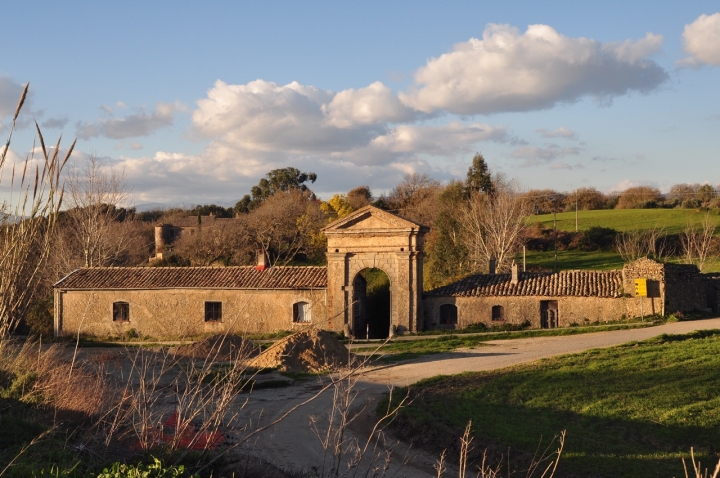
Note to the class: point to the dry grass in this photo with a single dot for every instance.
(698, 469)
(44, 375)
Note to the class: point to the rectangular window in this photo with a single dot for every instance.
(121, 312)
(301, 312)
(213, 311)
(498, 312)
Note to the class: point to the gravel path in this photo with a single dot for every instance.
(293, 444)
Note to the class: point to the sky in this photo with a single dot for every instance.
(196, 101)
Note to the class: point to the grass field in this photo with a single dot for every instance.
(408, 349)
(573, 260)
(673, 220)
(588, 260)
(631, 410)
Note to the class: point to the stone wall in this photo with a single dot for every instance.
(674, 287)
(172, 313)
(571, 310)
(686, 289)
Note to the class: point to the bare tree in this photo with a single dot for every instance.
(226, 242)
(416, 198)
(94, 232)
(697, 242)
(634, 244)
(492, 225)
(27, 219)
(285, 224)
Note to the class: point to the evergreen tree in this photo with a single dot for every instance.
(478, 176)
(284, 179)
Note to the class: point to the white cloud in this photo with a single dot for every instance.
(10, 92)
(629, 183)
(138, 124)
(535, 155)
(259, 126)
(438, 140)
(701, 40)
(373, 135)
(561, 132)
(262, 121)
(567, 166)
(374, 104)
(509, 71)
(55, 123)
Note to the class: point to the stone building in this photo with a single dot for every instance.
(366, 248)
(187, 301)
(167, 234)
(560, 299)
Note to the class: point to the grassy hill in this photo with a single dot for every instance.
(673, 220)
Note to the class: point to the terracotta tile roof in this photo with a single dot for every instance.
(195, 277)
(565, 283)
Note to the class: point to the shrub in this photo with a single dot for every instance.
(153, 470)
(640, 197)
(598, 238)
(40, 317)
(690, 204)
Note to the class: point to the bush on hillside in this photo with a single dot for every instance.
(640, 197)
(598, 239)
(690, 204)
(541, 239)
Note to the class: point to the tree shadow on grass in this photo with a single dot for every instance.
(631, 410)
(594, 447)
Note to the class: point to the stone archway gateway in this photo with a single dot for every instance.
(371, 238)
(371, 305)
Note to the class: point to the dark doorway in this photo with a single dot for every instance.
(371, 304)
(448, 316)
(549, 316)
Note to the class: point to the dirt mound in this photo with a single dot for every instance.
(308, 351)
(218, 348)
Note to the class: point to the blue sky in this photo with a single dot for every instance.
(196, 101)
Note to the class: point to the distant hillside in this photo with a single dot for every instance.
(673, 220)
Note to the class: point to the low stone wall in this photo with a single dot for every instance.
(177, 313)
(517, 309)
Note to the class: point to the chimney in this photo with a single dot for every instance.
(262, 262)
(493, 265)
(514, 268)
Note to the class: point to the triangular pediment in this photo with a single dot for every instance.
(369, 218)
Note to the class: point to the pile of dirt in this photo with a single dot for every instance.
(308, 351)
(218, 348)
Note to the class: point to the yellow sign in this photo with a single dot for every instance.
(641, 287)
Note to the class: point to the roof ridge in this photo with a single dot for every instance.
(192, 267)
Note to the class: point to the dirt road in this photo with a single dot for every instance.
(294, 444)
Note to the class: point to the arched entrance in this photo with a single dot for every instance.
(371, 304)
(371, 238)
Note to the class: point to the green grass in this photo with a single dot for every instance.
(673, 220)
(573, 260)
(587, 260)
(395, 351)
(631, 410)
